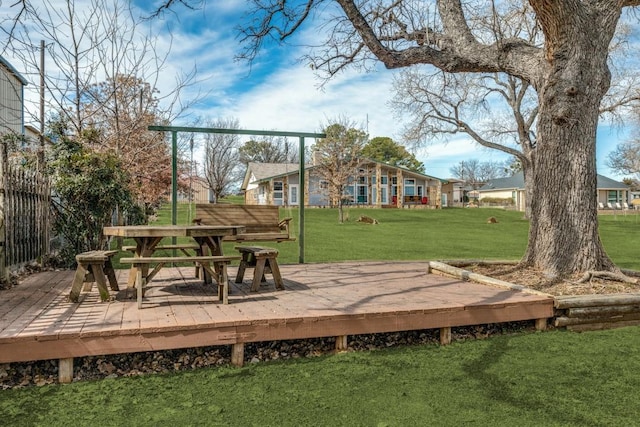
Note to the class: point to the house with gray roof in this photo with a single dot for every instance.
(11, 99)
(373, 184)
(609, 190)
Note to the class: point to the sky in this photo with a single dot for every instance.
(279, 92)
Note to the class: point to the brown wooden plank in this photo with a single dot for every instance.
(261, 222)
(32, 306)
(11, 298)
(319, 300)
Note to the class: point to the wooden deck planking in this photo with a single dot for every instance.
(178, 311)
(34, 305)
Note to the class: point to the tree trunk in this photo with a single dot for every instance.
(563, 235)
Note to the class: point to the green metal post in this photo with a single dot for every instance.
(174, 177)
(301, 204)
(174, 182)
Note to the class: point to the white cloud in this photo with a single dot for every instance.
(281, 94)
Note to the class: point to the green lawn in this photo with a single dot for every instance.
(416, 234)
(529, 379)
(552, 378)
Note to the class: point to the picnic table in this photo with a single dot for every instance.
(148, 237)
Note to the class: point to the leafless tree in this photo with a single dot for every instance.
(337, 158)
(102, 81)
(476, 173)
(90, 45)
(497, 110)
(221, 157)
(626, 158)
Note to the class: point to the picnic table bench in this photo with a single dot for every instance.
(206, 239)
(261, 222)
(94, 266)
(184, 248)
(219, 272)
(263, 260)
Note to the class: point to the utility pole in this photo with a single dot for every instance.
(41, 165)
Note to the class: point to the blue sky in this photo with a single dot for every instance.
(277, 92)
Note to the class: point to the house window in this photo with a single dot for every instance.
(324, 184)
(277, 192)
(409, 187)
(612, 196)
(384, 180)
(293, 194)
(362, 194)
(362, 177)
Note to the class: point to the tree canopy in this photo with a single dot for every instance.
(385, 149)
(268, 149)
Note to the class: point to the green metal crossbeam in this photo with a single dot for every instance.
(174, 165)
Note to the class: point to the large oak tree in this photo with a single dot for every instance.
(568, 70)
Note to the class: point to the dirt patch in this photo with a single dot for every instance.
(537, 280)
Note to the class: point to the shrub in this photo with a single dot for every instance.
(87, 186)
(497, 201)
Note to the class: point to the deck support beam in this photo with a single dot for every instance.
(541, 324)
(65, 370)
(445, 336)
(237, 354)
(342, 343)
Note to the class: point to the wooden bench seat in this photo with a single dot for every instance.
(264, 261)
(94, 266)
(219, 272)
(181, 247)
(184, 248)
(262, 222)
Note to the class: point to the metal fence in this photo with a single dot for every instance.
(25, 199)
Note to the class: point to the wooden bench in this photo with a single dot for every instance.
(261, 222)
(263, 260)
(184, 248)
(219, 272)
(94, 266)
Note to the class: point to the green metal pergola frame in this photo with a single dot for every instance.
(174, 165)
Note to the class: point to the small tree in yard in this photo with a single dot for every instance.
(337, 158)
(87, 185)
(222, 158)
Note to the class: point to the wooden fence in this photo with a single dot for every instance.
(25, 199)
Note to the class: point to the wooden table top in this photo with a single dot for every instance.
(173, 230)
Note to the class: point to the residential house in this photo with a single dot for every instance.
(199, 191)
(456, 193)
(609, 190)
(11, 99)
(279, 184)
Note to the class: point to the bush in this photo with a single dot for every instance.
(497, 201)
(87, 187)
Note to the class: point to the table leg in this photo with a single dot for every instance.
(213, 245)
(144, 247)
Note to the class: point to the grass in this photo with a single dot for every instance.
(416, 234)
(553, 378)
(530, 379)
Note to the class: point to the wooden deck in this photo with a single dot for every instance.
(37, 322)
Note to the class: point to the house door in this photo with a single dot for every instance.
(293, 194)
(384, 195)
(444, 200)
